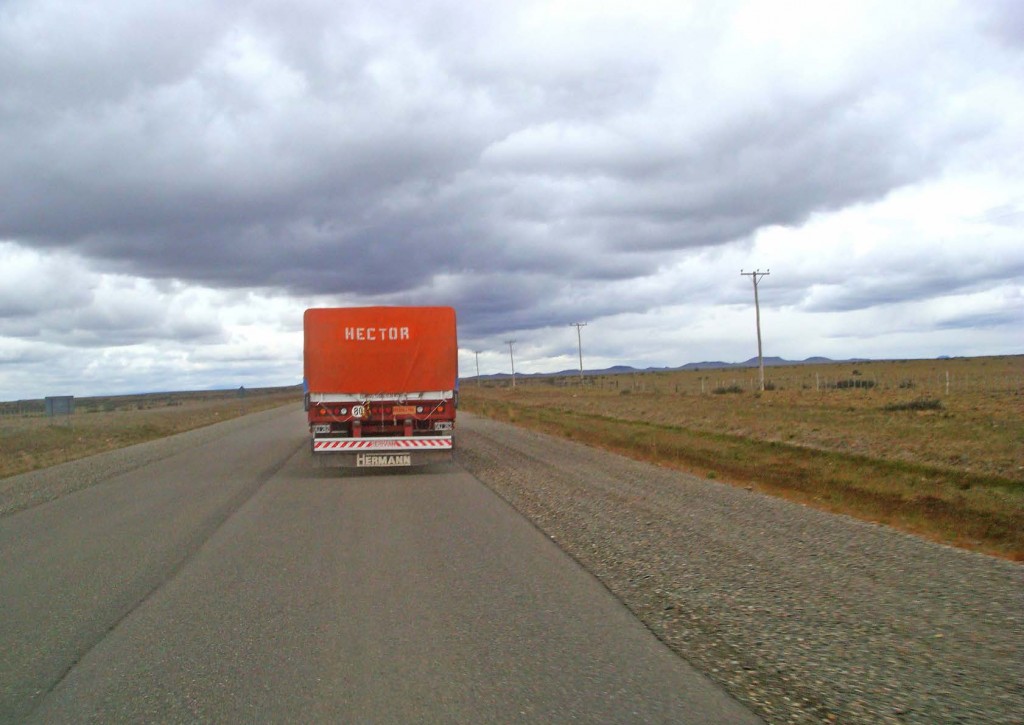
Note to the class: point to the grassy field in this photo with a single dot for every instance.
(932, 447)
(30, 440)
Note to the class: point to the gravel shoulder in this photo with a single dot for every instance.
(804, 616)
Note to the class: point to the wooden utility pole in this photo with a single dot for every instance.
(477, 353)
(579, 345)
(511, 357)
(755, 276)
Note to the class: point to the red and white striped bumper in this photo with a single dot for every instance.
(439, 443)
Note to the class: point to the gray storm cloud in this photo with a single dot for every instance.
(247, 157)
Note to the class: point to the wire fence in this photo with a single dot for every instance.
(728, 381)
(142, 401)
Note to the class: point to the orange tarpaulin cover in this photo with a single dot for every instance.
(380, 349)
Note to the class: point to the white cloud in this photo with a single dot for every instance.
(92, 333)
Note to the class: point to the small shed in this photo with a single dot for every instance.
(60, 405)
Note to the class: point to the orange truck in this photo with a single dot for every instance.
(381, 384)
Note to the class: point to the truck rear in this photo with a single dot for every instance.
(382, 384)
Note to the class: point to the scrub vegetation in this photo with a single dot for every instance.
(935, 448)
(29, 439)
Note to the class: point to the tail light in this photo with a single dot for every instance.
(337, 410)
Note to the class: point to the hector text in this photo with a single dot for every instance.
(375, 334)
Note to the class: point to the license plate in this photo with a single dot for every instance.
(381, 460)
(404, 410)
(321, 429)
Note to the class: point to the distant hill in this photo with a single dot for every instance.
(768, 361)
(706, 365)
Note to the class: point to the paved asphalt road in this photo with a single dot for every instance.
(236, 581)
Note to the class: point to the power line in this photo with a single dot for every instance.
(579, 344)
(511, 357)
(755, 277)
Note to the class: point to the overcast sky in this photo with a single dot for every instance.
(179, 181)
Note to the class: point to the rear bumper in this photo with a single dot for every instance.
(382, 445)
(373, 452)
(383, 452)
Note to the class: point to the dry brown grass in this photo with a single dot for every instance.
(900, 450)
(29, 440)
